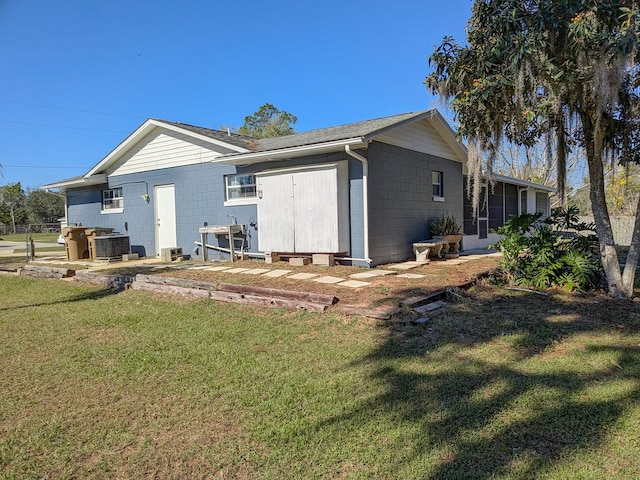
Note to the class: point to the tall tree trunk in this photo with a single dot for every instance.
(629, 273)
(562, 160)
(608, 252)
(13, 218)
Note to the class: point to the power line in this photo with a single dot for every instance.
(72, 109)
(61, 126)
(44, 166)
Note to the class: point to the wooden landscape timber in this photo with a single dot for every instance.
(118, 282)
(179, 282)
(284, 294)
(170, 289)
(226, 292)
(39, 271)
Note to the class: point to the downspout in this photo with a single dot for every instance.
(365, 201)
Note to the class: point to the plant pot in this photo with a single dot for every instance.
(451, 249)
(454, 244)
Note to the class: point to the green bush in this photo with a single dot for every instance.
(558, 251)
(444, 225)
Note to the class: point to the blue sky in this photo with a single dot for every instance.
(79, 76)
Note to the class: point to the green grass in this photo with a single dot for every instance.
(504, 384)
(39, 250)
(37, 237)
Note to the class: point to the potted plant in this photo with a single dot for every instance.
(445, 228)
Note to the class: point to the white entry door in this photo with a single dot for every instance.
(165, 211)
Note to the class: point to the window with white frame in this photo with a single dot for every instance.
(112, 200)
(240, 187)
(437, 179)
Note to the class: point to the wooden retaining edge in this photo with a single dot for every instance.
(39, 271)
(170, 289)
(380, 313)
(266, 297)
(413, 302)
(274, 292)
(118, 282)
(178, 282)
(263, 301)
(8, 269)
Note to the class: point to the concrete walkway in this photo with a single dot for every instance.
(7, 248)
(356, 280)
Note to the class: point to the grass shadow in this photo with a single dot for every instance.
(505, 383)
(92, 295)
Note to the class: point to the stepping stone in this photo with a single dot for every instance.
(420, 321)
(303, 276)
(328, 279)
(277, 273)
(353, 284)
(407, 265)
(217, 269)
(410, 275)
(429, 307)
(454, 262)
(371, 274)
(237, 270)
(199, 267)
(255, 271)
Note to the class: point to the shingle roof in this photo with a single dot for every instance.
(231, 138)
(364, 128)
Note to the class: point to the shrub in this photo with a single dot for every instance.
(554, 252)
(444, 225)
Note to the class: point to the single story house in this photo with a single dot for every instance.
(363, 191)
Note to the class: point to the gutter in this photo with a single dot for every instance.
(242, 159)
(365, 201)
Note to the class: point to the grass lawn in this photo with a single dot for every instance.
(503, 384)
(37, 237)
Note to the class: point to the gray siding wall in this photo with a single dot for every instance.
(401, 202)
(199, 192)
(84, 205)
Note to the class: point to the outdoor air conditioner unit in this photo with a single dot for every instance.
(111, 246)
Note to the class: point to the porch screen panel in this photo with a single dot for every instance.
(482, 228)
(496, 206)
(510, 201)
(541, 203)
(469, 226)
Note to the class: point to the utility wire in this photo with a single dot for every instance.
(72, 109)
(43, 166)
(61, 126)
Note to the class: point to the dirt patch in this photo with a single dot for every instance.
(382, 291)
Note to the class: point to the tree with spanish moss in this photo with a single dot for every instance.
(562, 70)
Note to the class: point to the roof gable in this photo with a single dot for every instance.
(356, 135)
(221, 142)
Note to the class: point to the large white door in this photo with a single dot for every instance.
(276, 226)
(315, 211)
(165, 211)
(304, 210)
